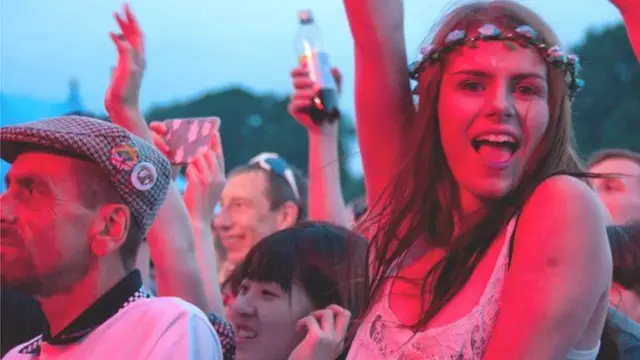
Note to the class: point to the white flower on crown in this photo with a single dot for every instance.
(555, 54)
(425, 52)
(454, 36)
(527, 31)
(573, 59)
(489, 30)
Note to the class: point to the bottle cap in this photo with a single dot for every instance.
(305, 16)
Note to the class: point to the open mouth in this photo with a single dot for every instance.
(233, 241)
(245, 333)
(496, 149)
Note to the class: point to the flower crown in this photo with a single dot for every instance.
(524, 36)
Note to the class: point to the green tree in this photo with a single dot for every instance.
(251, 124)
(607, 111)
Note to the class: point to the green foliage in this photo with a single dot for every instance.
(251, 124)
(607, 111)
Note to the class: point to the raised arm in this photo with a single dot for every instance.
(326, 202)
(171, 238)
(556, 293)
(630, 11)
(383, 96)
(205, 181)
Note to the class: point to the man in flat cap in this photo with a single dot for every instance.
(81, 195)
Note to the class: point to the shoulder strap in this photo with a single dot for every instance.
(512, 240)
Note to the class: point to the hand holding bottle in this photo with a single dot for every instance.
(315, 60)
(302, 102)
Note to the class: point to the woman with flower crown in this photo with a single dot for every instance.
(486, 243)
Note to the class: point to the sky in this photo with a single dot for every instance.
(194, 46)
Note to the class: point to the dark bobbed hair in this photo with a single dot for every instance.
(328, 261)
(625, 248)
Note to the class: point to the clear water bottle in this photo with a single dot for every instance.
(310, 50)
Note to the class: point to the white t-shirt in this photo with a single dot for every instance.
(156, 328)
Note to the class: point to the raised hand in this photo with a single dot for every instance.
(626, 6)
(126, 78)
(326, 331)
(158, 132)
(205, 180)
(630, 11)
(305, 92)
(372, 21)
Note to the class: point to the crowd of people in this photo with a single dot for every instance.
(482, 234)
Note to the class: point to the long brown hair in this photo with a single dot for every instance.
(419, 205)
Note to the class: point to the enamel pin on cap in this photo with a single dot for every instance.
(144, 176)
(124, 157)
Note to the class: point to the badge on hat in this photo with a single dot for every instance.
(124, 157)
(144, 176)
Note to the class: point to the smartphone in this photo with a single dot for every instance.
(189, 137)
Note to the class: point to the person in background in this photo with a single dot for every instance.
(253, 201)
(259, 198)
(621, 337)
(482, 244)
(171, 239)
(625, 247)
(326, 202)
(619, 187)
(201, 188)
(180, 241)
(268, 194)
(81, 195)
(221, 251)
(296, 291)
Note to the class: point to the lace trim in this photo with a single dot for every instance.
(465, 338)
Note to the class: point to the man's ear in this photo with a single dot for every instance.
(287, 215)
(109, 228)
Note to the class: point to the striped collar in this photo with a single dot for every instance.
(123, 294)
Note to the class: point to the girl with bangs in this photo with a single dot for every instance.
(295, 293)
(485, 241)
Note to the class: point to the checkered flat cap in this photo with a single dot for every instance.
(137, 170)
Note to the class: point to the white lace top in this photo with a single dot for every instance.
(380, 336)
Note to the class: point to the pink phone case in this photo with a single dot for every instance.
(189, 137)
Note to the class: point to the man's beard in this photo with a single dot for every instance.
(25, 279)
(29, 285)
(19, 269)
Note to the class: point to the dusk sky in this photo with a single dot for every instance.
(194, 46)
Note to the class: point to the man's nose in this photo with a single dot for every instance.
(7, 213)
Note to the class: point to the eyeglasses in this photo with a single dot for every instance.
(274, 163)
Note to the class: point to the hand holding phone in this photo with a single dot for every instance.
(189, 137)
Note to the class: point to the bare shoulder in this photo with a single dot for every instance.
(565, 187)
(565, 219)
(566, 202)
